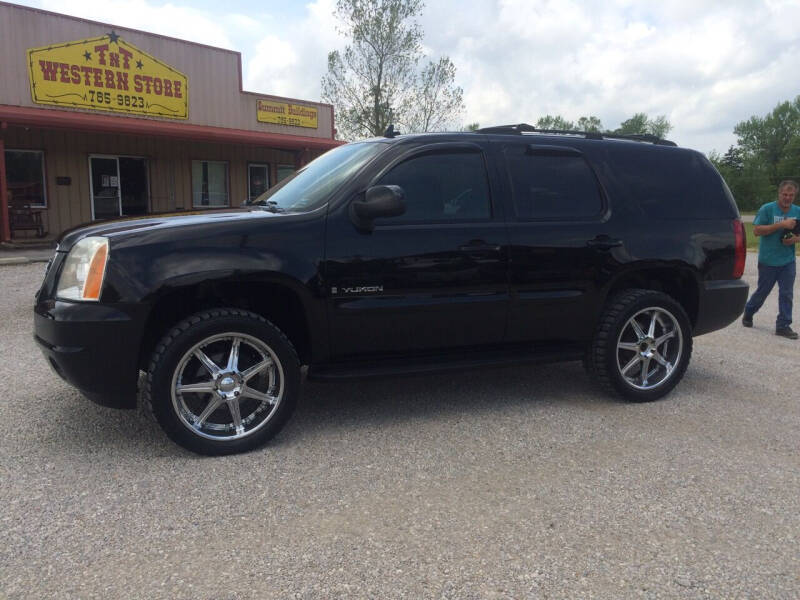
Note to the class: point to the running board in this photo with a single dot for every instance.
(421, 365)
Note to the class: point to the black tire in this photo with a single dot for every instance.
(612, 359)
(259, 380)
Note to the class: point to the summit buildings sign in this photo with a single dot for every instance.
(283, 113)
(108, 74)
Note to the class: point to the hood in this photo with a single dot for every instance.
(176, 220)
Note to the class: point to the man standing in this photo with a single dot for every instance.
(776, 260)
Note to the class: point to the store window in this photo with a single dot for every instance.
(25, 175)
(209, 183)
(284, 171)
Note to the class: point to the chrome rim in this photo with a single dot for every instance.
(649, 348)
(227, 387)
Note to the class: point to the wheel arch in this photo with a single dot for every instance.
(680, 282)
(286, 304)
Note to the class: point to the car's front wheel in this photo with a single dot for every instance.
(223, 381)
(642, 345)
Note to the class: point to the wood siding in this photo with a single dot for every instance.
(169, 168)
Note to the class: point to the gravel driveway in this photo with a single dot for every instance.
(521, 482)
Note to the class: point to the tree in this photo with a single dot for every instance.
(769, 137)
(659, 126)
(590, 123)
(437, 98)
(733, 159)
(555, 122)
(641, 124)
(767, 151)
(746, 177)
(375, 80)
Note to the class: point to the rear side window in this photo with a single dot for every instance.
(555, 186)
(446, 186)
(668, 184)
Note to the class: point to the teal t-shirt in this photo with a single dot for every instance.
(771, 250)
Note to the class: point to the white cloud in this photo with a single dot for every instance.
(179, 21)
(292, 58)
(272, 68)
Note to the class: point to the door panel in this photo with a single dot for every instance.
(562, 244)
(133, 182)
(432, 279)
(257, 180)
(105, 187)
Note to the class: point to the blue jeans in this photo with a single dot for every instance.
(767, 276)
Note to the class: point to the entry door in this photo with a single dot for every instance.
(433, 278)
(257, 180)
(105, 188)
(119, 186)
(133, 186)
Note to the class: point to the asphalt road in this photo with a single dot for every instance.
(521, 482)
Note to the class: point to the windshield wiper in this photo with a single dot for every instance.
(271, 206)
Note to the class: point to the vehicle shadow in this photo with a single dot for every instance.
(356, 404)
(344, 407)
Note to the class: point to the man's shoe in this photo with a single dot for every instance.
(747, 321)
(787, 332)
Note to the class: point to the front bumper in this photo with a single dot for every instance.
(93, 347)
(720, 304)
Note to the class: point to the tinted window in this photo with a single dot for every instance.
(668, 183)
(442, 187)
(552, 187)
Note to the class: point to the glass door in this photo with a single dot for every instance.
(119, 186)
(257, 181)
(133, 186)
(105, 187)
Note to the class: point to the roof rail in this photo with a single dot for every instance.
(522, 128)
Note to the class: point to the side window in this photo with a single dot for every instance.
(552, 186)
(449, 186)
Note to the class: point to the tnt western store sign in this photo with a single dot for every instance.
(97, 121)
(107, 73)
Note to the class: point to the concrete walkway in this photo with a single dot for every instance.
(20, 256)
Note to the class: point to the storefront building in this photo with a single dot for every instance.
(98, 121)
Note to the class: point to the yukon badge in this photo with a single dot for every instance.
(359, 289)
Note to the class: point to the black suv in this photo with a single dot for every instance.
(396, 255)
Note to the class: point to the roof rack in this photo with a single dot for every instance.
(390, 132)
(522, 128)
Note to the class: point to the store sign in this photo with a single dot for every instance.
(282, 113)
(107, 73)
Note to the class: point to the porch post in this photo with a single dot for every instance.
(300, 158)
(5, 231)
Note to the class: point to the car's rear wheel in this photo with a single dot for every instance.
(223, 381)
(642, 346)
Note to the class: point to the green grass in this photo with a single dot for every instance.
(752, 240)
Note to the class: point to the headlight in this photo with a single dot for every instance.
(83, 272)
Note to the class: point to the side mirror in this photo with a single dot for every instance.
(379, 201)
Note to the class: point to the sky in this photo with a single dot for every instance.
(705, 65)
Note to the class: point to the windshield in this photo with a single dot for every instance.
(311, 186)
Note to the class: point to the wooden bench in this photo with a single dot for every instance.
(22, 217)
